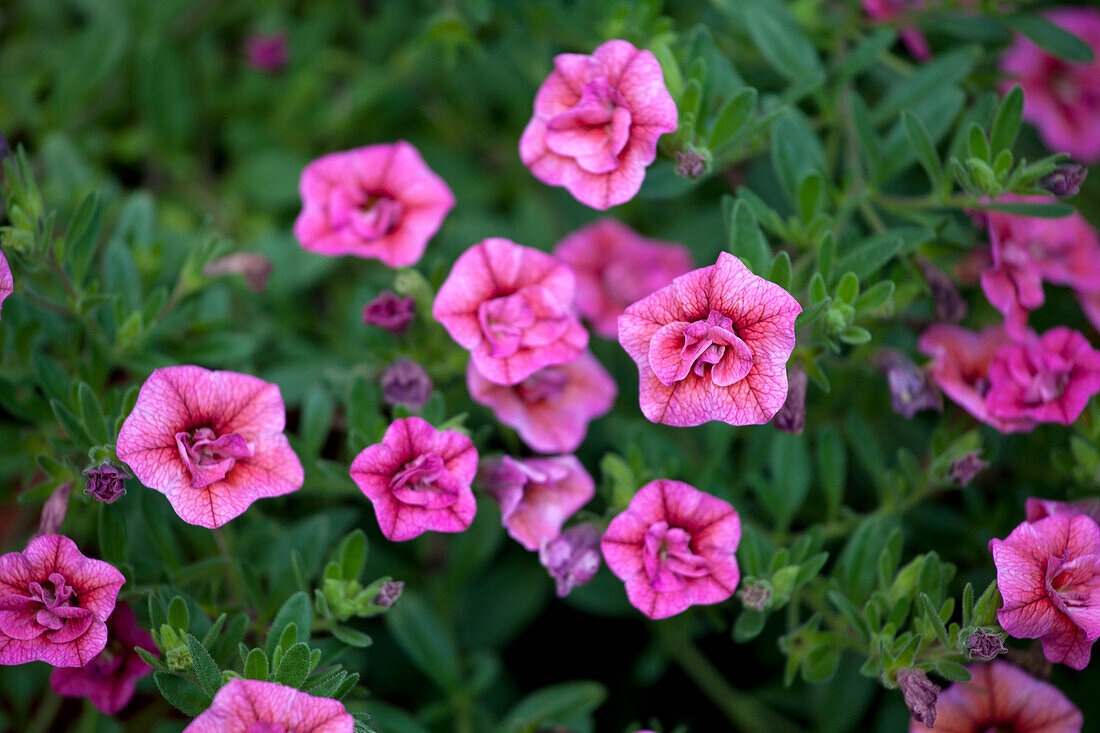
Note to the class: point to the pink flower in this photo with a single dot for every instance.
(960, 366)
(252, 706)
(1037, 509)
(551, 408)
(54, 603)
(110, 679)
(674, 547)
(536, 495)
(1001, 696)
(887, 10)
(1048, 573)
(1047, 378)
(1062, 99)
(596, 123)
(379, 201)
(512, 307)
(713, 345)
(212, 442)
(7, 283)
(390, 312)
(615, 266)
(418, 479)
(573, 557)
(267, 52)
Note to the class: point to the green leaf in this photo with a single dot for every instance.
(810, 197)
(848, 287)
(923, 147)
(985, 608)
(555, 705)
(71, 424)
(207, 672)
(92, 416)
(688, 105)
(1006, 123)
(789, 463)
(875, 296)
(352, 637)
(353, 554)
(1052, 38)
(943, 71)
(832, 462)
(781, 270)
(297, 610)
(113, 537)
(318, 409)
(255, 666)
(178, 616)
(865, 258)
(865, 53)
(868, 139)
(746, 239)
(150, 659)
(977, 144)
(951, 670)
(1041, 211)
(855, 335)
(182, 693)
(849, 611)
(821, 664)
(732, 118)
(796, 151)
(928, 610)
(749, 624)
(425, 641)
(780, 40)
(293, 667)
(82, 236)
(826, 255)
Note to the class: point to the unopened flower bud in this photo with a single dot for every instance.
(253, 266)
(920, 694)
(983, 646)
(950, 306)
(1064, 181)
(106, 482)
(389, 311)
(573, 557)
(791, 417)
(388, 593)
(690, 164)
(911, 388)
(53, 511)
(755, 595)
(964, 469)
(267, 52)
(406, 383)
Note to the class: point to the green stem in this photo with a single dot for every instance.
(44, 717)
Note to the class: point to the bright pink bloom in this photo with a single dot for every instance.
(960, 366)
(536, 495)
(418, 479)
(1048, 573)
(1047, 378)
(252, 706)
(999, 697)
(674, 547)
(110, 679)
(887, 10)
(379, 201)
(1061, 99)
(596, 123)
(1037, 509)
(550, 409)
(512, 307)
(615, 266)
(212, 442)
(54, 603)
(713, 345)
(7, 283)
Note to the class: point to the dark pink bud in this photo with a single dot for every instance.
(106, 482)
(950, 306)
(573, 558)
(267, 52)
(53, 511)
(920, 694)
(253, 266)
(964, 469)
(389, 311)
(984, 646)
(690, 164)
(388, 593)
(1064, 181)
(911, 388)
(791, 417)
(406, 383)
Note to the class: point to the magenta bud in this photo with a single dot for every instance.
(389, 311)
(388, 593)
(106, 482)
(1064, 181)
(984, 646)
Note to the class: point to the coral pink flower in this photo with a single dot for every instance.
(7, 283)
(596, 123)
(1037, 509)
(252, 706)
(1047, 378)
(110, 679)
(418, 479)
(960, 366)
(1000, 697)
(713, 345)
(212, 442)
(379, 201)
(536, 495)
(1048, 573)
(512, 307)
(1062, 99)
(674, 547)
(615, 266)
(550, 409)
(54, 603)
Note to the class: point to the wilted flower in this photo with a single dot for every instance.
(713, 345)
(54, 510)
(1065, 180)
(406, 383)
(267, 52)
(536, 495)
(54, 603)
(674, 547)
(106, 481)
(389, 593)
(252, 706)
(210, 441)
(573, 557)
(791, 417)
(418, 479)
(7, 283)
(920, 694)
(596, 123)
(390, 312)
(911, 388)
(254, 267)
(964, 469)
(1037, 509)
(983, 645)
(950, 306)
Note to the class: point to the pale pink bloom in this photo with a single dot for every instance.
(110, 679)
(1062, 99)
(887, 10)
(380, 201)
(960, 366)
(615, 266)
(418, 479)
(551, 408)
(713, 345)
(573, 557)
(596, 123)
(1037, 509)
(210, 441)
(1048, 573)
(7, 283)
(1001, 696)
(674, 547)
(1047, 378)
(536, 495)
(512, 307)
(54, 603)
(252, 706)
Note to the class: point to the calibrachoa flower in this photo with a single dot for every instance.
(512, 307)
(7, 283)
(390, 312)
(1048, 573)
(573, 557)
(1061, 98)
(267, 52)
(551, 408)
(713, 345)
(1001, 696)
(406, 383)
(379, 201)
(110, 679)
(960, 366)
(210, 441)
(252, 706)
(54, 603)
(674, 547)
(1047, 378)
(1036, 509)
(418, 479)
(536, 495)
(596, 123)
(615, 266)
